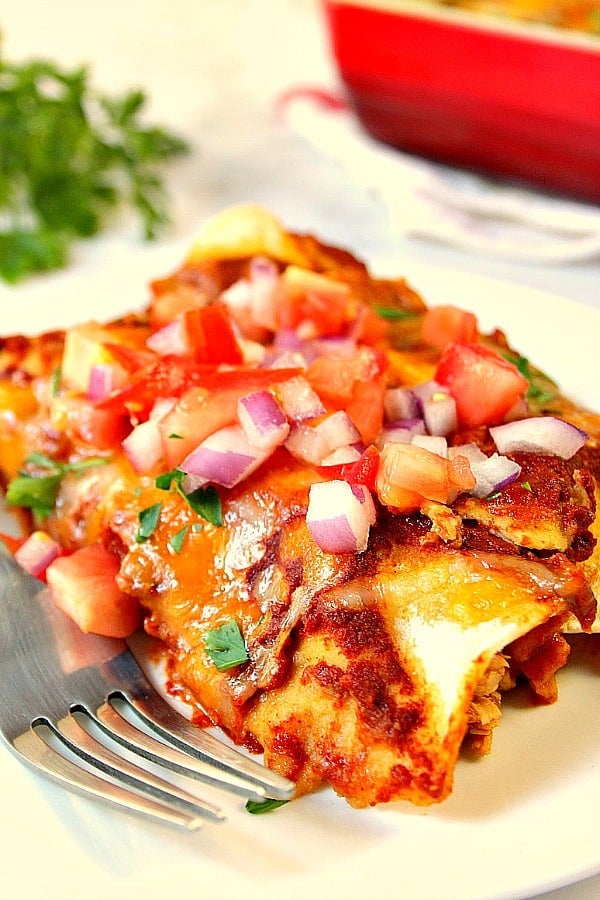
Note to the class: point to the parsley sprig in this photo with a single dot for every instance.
(36, 488)
(68, 156)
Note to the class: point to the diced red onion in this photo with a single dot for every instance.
(307, 444)
(289, 358)
(143, 446)
(341, 456)
(238, 295)
(170, 340)
(298, 399)
(337, 519)
(37, 552)
(492, 474)
(400, 432)
(314, 443)
(225, 458)
(427, 389)
(101, 382)
(286, 339)
(363, 494)
(161, 406)
(539, 434)
(434, 443)
(400, 403)
(338, 429)
(439, 413)
(264, 287)
(470, 451)
(262, 419)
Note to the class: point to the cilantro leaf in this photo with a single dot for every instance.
(148, 519)
(257, 807)
(177, 541)
(205, 501)
(394, 313)
(225, 645)
(38, 492)
(542, 390)
(69, 156)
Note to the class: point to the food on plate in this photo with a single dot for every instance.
(578, 15)
(353, 522)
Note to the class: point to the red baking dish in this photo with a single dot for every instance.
(509, 98)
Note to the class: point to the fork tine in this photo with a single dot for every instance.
(93, 752)
(123, 732)
(199, 743)
(45, 759)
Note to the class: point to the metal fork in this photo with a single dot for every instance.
(80, 709)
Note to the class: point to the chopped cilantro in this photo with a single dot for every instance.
(526, 486)
(148, 519)
(542, 390)
(38, 492)
(35, 493)
(55, 381)
(165, 481)
(257, 807)
(175, 437)
(394, 313)
(205, 501)
(225, 645)
(177, 541)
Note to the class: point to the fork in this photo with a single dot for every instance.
(79, 709)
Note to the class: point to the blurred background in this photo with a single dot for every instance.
(214, 71)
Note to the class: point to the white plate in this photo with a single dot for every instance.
(521, 821)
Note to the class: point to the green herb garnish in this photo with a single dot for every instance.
(177, 541)
(38, 491)
(394, 313)
(148, 521)
(225, 645)
(68, 157)
(257, 807)
(542, 390)
(526, 486)
(205, 501)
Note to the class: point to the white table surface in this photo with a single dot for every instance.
(212, 69)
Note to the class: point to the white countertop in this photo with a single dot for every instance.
(212, 70)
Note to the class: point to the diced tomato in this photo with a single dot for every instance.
(130, 358)
(444, 325)
(200, 412)
(364, 470)
(12, 543)
(195, 416)
(355, 383)
(172, 376)
(408, 474)
(310, 298)
(484, 384)
(84, 586)
(82, 420)
(210, 336)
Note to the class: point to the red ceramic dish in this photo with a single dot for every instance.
(517, 100)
